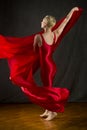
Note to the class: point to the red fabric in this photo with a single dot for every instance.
(23, 62)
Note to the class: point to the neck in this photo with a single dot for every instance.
(47, 30)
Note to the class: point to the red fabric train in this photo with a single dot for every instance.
(23, 62)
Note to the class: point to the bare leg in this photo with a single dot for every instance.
(51, 115)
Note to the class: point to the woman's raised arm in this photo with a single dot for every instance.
(59, 30)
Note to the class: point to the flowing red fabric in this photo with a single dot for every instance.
(23, 62)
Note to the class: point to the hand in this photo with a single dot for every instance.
(75, 9)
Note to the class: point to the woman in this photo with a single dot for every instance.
(25, 55)
(48, 40)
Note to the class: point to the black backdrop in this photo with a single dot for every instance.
(22, 18)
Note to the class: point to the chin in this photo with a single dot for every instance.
(42, 27)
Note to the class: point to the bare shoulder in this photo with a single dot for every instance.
(56, 32)
(37, 36)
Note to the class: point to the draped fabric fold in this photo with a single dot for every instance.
(23, 62)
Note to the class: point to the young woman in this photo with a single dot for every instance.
(25, 55)
(48, 40)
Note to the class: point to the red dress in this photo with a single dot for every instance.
(23, 62)
(47, 65)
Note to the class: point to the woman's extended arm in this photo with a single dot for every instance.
(59, 30)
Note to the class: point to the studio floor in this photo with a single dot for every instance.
(26, 117)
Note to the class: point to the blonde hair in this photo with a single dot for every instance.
(51, 21)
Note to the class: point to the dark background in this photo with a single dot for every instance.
(22, 18)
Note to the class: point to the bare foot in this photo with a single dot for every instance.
(51, 115)
(45, 114)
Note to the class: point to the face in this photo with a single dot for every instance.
(44, 23)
